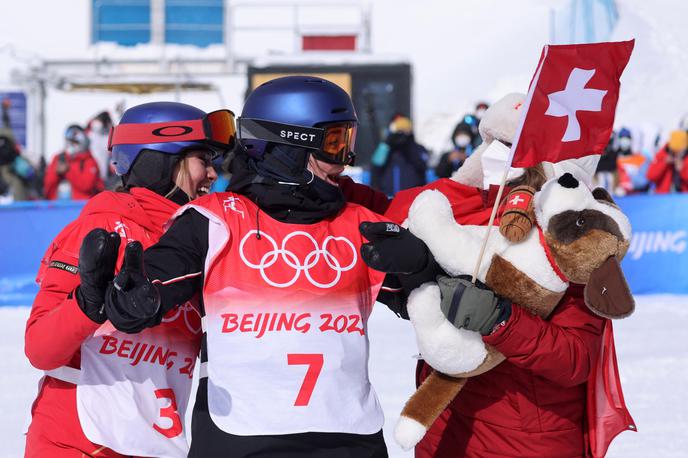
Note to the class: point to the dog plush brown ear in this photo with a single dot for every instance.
(607, 293)
(602, 194)
(518, 216)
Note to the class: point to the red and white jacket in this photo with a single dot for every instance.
(91, 368)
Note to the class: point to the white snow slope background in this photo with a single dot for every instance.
(653, 361)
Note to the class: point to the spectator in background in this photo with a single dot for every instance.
(73, 173)
(473, 120)
(631, 166)
(606, 173)
(16, 172)
(669, 168)
(10, 182)
(398, 162)
(462, 139)
(98, 131)
(480, 109)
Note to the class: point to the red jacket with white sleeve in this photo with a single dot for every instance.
(57, 327)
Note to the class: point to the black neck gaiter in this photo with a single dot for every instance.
(283, 188)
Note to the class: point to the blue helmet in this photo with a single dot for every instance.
(124, 155)
(294, 103)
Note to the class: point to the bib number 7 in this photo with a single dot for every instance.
(314, 361)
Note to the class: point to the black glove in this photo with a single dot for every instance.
(393, 249)
(97, 260)
(472, 306)
(132, 302)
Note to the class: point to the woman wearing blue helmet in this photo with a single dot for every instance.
(107, 394)
(285, 294)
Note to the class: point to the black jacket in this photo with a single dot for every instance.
(404, 168)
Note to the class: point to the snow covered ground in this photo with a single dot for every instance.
(653, 361)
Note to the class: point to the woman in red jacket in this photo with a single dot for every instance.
(74, 168)
(669, 168)
(105, 393)
(534, 404)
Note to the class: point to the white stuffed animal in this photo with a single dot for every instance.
(580, 236)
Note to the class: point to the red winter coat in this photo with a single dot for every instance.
(57, 326)
(539, 402)
(83, 175)
(661, 173)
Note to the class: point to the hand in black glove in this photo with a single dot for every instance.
(472, 306)
(393, 249)
(97, 260)
(132, 302)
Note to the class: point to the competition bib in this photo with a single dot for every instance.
(133, 389)
(286, 310)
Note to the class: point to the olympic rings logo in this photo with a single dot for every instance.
(293, 261)
(192, 319)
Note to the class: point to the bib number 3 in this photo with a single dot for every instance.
(314, 361)
(170, 412)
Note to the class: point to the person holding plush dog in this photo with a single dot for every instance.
(534, 403)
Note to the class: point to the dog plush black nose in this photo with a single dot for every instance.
(568, 181)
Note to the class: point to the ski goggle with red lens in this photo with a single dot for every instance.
(333, 143)
(215, 129)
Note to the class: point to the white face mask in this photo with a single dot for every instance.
(625, 143)
(462, 141)
(493, 161)
(97, 127)
(479, 113)
(72, 148)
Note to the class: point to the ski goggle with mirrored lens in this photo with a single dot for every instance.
(333, 142)
(215, 129)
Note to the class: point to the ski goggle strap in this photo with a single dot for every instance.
(333, 143)
(216, 128)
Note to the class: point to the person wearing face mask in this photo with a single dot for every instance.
(73, 173)
(632, 166)
(399, 162)
(285, 294)
(105, 393)
(480, 109)
(463, 146)
(669, 168)
(606, 172)
(97, 131)
(474, 121)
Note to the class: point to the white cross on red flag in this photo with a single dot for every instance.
(569, 111)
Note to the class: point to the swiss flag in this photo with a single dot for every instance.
(569, 112)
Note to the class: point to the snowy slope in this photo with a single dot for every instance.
(653, 360)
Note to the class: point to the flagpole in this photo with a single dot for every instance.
(508, 162)
(489, 225)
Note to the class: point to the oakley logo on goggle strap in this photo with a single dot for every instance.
(258, 129)
(215, 128)
(172, 131)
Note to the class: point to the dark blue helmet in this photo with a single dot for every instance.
(293, 101)
(124, 155)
